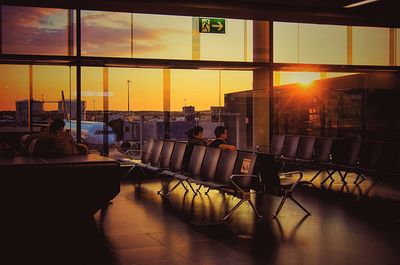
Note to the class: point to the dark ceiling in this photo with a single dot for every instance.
(380, 13)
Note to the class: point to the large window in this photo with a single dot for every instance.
(146, 100)
(159, 103)
(216, 98)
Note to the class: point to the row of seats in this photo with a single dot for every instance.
(237, 173)
(364, 158)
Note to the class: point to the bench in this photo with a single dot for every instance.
(230, 172)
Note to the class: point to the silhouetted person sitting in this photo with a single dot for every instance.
(221, 134)
(195, 137)
(63, 141)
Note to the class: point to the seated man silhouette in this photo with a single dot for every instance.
(63, 141)
(221, 134)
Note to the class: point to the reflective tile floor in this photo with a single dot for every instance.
(348, 225)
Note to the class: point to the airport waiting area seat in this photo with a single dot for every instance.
(164, 159)
(150, 155)
(376, 159)
(193, 171)
(281, 184)
(230, 172)
(244, 173)
(344, 157)
(305, 151)
(174, 166)
(145, 153)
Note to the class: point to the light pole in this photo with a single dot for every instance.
(128, 82)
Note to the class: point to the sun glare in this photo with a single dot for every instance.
(304, 78)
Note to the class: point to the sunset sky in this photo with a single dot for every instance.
(44, 31)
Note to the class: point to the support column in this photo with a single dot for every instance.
(167, 102)
(262, 84)
(30, 101)
(106, 94)
(78, 77)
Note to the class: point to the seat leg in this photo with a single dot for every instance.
(343, 177)
(356, 180)
(163, 185)
(255, 209)
(191, 187)
(206, 193)
(280, 206)
(233, 210)
(173, 188)
(183, 185)
(329, 176)
(301, 206)
(198, 190)
(315, 176)
(361, 177)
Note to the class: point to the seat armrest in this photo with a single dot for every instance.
(131, 153)
(292, 173)
(236, 184)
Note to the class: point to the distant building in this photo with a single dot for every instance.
(21, 107)
(216, 113)
(189, 113)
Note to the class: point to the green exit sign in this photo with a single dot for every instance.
(212, 25)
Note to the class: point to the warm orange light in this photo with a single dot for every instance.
(306, 84)
(305, 79)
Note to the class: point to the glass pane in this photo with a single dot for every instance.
(325, 44)
(338, 104)
(286, 42)
(231, 46)
(92, 89)
(162, 37)
(14, 95)
(397, 46)
(96, 132)
(49, 83)
(309, 43)
(370, 46)
(30, 30)
(145, 105)
(106, 34)
(145, 90)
